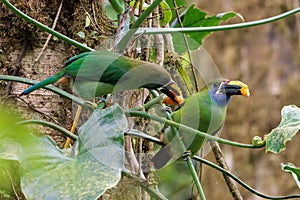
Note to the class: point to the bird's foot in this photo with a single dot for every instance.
(186, 155)
(101, 102)
(104, 102)
(165, 108)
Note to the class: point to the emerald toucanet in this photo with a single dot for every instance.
(99, 73)
(204, 111)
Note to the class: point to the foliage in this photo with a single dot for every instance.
(194, 17)
(46, 173)
(295, 171)
(43, 171)
(285, 131)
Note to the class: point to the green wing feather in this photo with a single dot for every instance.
(103, 72)
(198, 112)
(72, 59)
(109, 67)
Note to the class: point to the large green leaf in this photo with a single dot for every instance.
(194, 17)
(179, 43)
(181, 4)
(48, 174)
(110, 11)
(295, 171)
(9, 184)
(285, 131)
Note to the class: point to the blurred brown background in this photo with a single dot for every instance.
(266, 57)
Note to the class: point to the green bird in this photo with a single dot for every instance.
(204, 111)
(92, 74)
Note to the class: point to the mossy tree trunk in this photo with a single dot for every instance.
(26, 52)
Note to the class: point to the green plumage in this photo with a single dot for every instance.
(204, 111)
(102, 72)
(200, 112)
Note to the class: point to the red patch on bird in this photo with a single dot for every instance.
(226, 81)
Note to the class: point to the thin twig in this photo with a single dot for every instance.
(243, 184)
(40, 112)
(133, 8)
(130, 157)
(97, 27)
(146, 186)
(50, 125)
(219, 27)
(51, 88)
(18, 65)
(232, 186)
(50, 35)
(140, 134)
(134, 113)
(73, 128)
(187, 46)
(88, 15)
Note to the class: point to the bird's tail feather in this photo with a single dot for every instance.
(162, 157)
(50, 80)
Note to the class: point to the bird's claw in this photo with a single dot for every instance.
(186, 155)
(103, 102)
(100, 100)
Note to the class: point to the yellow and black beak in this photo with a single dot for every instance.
(234, 88)
(174, 94)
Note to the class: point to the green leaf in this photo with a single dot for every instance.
(166, 14)
(285, 131)
(87, 20)
(179, 43)
(295, 171)
(194, 17)
(48, 174)
(182, 70)
(10, 178)
(110, 11)
(181, 4)
(102, 135)
(118, 6)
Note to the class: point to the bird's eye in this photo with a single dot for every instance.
(216, 85)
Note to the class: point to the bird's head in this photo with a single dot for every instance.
(222, 90)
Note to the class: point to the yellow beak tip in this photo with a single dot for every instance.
(245, 91)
